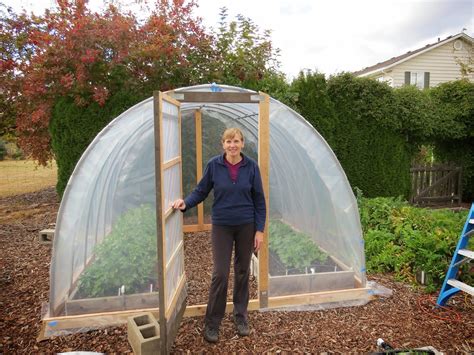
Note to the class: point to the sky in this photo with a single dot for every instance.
(332, 36)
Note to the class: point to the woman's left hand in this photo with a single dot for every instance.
(258, 240)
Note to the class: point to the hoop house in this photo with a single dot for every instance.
(118, 248)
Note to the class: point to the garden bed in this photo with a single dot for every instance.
(112, 303)
(319, 276)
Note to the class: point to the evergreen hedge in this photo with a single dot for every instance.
(454, 137)
(74, 127)
(358, 119)
(376, 131)
(369, 144)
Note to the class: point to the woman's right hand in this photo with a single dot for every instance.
(178, 204)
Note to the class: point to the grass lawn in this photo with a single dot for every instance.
(21, 176)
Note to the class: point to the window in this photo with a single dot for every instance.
(418, 78)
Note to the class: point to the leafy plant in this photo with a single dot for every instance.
(127, 256)
(403, 239)
(295, 249)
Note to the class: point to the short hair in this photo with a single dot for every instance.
(230, 133)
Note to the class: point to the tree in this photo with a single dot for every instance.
(71, 71)
(87, 56)
(14, 52)
(244, 55)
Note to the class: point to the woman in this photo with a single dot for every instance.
(238, 218)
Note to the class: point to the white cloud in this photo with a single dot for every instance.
(336, 35)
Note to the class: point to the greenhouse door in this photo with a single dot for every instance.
(168, 164)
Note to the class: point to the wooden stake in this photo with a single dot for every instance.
(264, 163)
(158, 119)
(200, 207)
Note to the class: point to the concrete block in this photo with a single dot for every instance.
(143, 333)
(46, 236)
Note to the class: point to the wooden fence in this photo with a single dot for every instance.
(436, 184)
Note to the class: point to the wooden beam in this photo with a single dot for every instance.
(264, 164)
(217, 97)
(196, 228)
(438, 198)
(198, 127)
(200, 310)
(179, 248)
(168, 213)
(320, 297)
(171, 100)
(171, 162)
(174, 300)
(112, 303)
(160, 227)
(89, 320)
(116, 318)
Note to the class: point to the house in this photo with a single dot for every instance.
(428, 66)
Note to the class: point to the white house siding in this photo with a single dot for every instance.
(439, 62)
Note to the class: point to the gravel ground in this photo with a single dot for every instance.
(405, 320)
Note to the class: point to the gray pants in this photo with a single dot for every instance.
(223, 240)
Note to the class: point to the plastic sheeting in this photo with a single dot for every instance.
(308, 188)
(173, 234)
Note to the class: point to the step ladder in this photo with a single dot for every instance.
(462, 255)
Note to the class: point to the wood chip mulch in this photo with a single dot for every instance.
(405, 320)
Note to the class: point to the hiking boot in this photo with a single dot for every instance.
(242, 326)
(211, 334)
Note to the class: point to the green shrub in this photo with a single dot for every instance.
(454, 135)
(127, 256)
(73, 128)
(314, 104)
(403, 239)
(295, 249)
(369, 139)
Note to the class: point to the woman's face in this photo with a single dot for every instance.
(233, 146)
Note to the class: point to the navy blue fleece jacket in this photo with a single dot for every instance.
(237, 202)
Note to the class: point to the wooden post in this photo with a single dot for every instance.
(158, 117)
(200, 207)
(264, 163)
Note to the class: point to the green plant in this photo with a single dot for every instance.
(295, 249)
(368, 139)
(403, 239)
(127, 256)
(72, 128)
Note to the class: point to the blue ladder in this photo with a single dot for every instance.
(451, 285)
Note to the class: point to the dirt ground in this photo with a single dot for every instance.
(405, 320)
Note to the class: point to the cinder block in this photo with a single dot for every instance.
(46, 236)
(143, 334)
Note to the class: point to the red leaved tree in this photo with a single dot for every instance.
(85, 55)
